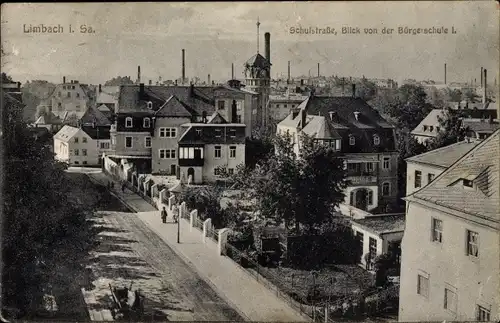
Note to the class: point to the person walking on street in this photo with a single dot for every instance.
(164, 215)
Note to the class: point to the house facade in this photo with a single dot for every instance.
(361, 135)
(75, 147)
(449, 267)
(281, 105)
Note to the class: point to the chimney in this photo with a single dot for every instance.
(183, 66)
(445, 73)
(288, 71)
(303, 116)
(353, 90)
(485, 86)
(318, 69)
(232, 71)
(141, 90)
(150, 82)
(213, 82)
(100, 89)
(208, 79)
(356, 115)
(64, 79)
(267, 44)
(481, 77)
(139, 74)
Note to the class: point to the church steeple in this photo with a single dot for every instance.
(258, 40)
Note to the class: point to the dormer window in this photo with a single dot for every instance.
(468, 183)
(146, 123)
(150, 105)
(425, 128)
(376, 140)
(128, 122)
(352, 140)
(431, 128)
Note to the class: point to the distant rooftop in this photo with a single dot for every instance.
(445, 156)
(382, 224)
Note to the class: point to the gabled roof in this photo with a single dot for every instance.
(66, 133)
(173, 108)
(445, 156)
(319, 127)
(48, 118)
(430, 120)
(482, 163)
(95, 116)
(481, 125)
(216, 118)
(108, 94)
(258, 60)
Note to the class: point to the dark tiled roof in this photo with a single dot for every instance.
(344, 122)
(174, 108)
(95, 116)
(445, 156)
(216, 118)
(207, 134)
(258, 60)
(98, 132)
(481, 125)
(382, 224)
(481, 165)
(196, 99)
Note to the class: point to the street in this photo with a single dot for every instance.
(129, 252)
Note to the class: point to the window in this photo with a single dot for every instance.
(430, 177)
(418, 179)
(337, 144)
(84, 140)
(77, 153)
(472, 243)
(286, 106)
(450, 300)
(370, 197)
(84, 152)
(77, 95)
(168, 132)
(146, 123)
(483, 314)
(352, 140)
(437, 230)
(69, 95)
(369, 167)
(128, 122)
(220, 105)
(167, 153)
(216, 171)
(84, 162)
(425, 128)
(230, 171)
(423, 286)
(128, 142)
(232, 133)
(198, 133)
(373, 248)
(232, 151)
(386, 163)
(468, 183)
(376, 140)
(59, 106)
(104, 145)
(386, 189)
(431, 128)
(150, 105)
(218, 151)
(73, 87)
(78, 108)
(437, 129)
(76, 140)
(147, 142)
(77, 162)
(218, 133)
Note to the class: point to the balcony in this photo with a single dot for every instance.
(362, 179)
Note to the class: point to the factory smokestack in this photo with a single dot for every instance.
(485, 86)
(318, 69)
(267, 44)
(183, 66)
(64, 79)
(139, 74)
(481, 77)
(445, 73)
(232, 71)
(288, 71)
(208, 79)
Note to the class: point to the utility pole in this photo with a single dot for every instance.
(178, 224)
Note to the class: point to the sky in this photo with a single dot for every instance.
(215, 35)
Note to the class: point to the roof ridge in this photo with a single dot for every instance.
(441, 149)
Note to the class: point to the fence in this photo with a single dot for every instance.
(213, 234)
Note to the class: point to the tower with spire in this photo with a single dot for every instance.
(258, 78)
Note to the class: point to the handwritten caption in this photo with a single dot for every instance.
(353, 30)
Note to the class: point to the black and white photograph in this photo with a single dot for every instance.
(250, 162)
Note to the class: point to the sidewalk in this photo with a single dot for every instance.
(251, 299)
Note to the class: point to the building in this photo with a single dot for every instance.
(148, 120)
(75, 147)
(378, 235)
(73, 98)
(365, 139)
(424, 168)
(428, 128)
(280, 106)
(480, 128)
(205, 149)
(107, 99)
(449, 266)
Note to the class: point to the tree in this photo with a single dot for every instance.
(366, 90)
(470, 95)
(119, 80)
(411, 107)
(452, 129)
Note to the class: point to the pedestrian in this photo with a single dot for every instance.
(164, 215)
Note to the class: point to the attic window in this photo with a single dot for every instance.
(150, 105)
(431, 128)
(376, 140)
(352, 140)
(468, 183)
(146, 123)
(425, 128)
(128, 122)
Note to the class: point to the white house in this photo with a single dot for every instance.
(75, 147)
